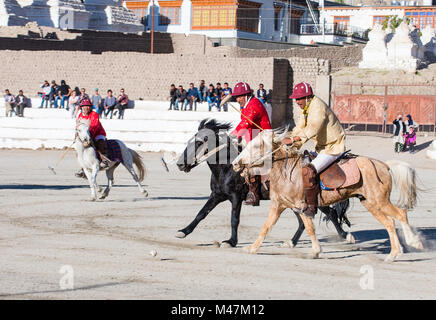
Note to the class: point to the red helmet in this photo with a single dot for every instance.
(241, 89)
(86, 102)
(301, 90)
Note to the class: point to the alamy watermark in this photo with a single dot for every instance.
(66, 18)
(366, 281)
(67, 280)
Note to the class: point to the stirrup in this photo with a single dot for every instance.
(251, 200)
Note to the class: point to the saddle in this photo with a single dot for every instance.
(340, 174)
(113, 151)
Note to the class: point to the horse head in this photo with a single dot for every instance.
(208, 141)
(82, 132)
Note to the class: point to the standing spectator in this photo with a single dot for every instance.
(96, 101)
(218, 93)
(181, 95)
(9, 103)
(109, 104)
(45, 93)
(261, 93)
(83, 95)
(211, 97)
(122, 104)
(202, 91)
(192, 96)
(226, 91)
(63, 95)
(399, 132)
(74, 102)
(173, 97)
(410, 123)
(54, 88)
(20, 103)
(411, 139)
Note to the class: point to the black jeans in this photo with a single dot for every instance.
(121, 109)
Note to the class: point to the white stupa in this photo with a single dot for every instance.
(11, 13)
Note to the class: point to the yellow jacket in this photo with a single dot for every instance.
(322, 127)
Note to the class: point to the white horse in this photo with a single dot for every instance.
(90, 164)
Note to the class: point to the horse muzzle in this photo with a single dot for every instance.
(86, 143)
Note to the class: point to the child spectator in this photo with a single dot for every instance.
(411, 139)
(172, 97)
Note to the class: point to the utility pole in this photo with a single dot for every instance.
(152, 27)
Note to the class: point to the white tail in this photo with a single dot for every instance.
(404, 178)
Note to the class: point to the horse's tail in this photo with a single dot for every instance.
(137, 160)
(404, 178)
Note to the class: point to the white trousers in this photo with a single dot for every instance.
(322, 161)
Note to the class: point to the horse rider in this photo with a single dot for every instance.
(97, 132)
(319, 124)
(253, 117)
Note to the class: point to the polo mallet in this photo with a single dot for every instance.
(60, 159)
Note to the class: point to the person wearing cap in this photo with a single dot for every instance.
(253, 114)
(319, 124)
(96, 130)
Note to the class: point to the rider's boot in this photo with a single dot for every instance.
(102, 149)
(80, 174)
(253, 192)
(311, 190)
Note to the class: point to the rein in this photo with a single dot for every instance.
(211, 153)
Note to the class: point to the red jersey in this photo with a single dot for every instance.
(95, 127)
(255, 111)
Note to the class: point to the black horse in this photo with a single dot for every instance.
(213, 144)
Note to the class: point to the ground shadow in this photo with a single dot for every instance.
(178, 198)
(422, 146)
(48, 187)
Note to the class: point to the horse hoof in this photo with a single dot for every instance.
(225, 244)
(92, 198)
(216, 244)
(389, 259)
(350, 238)
(250, 250)
(287, 244)
(180, 235)
(103, 196)
(314, 255)
(145, 193)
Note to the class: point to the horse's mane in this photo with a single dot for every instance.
(214, 125)
(280, 132)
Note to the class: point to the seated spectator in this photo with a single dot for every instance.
(54, 88)
(21, 102)
(202, 89)
(172, 97)
(45, 93)
(226, 91)
(74, 103)
(410, 140)
(109, 104)
(122, 104)
(218, 92)
(261, 93)
(192, 96)
(211, 97)
(83, 95)
(63, 95)
(9, 103)
(181, 95)
(96, 101)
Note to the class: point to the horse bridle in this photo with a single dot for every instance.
(91, 143)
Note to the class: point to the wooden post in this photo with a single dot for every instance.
(152, 27)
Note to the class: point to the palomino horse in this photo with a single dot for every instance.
(212, 144)
(373, 190)
(88, 160)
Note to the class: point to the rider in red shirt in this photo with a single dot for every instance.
(98, 134)
(253, 116)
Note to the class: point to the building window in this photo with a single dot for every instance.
(139, 8)
(213, 17)
(247, 19)
(169, 15)
(277, 10)
(422, 18)
(379, 19)
(341, 23)
(295, 21)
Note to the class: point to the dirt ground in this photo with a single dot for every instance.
(55, 244)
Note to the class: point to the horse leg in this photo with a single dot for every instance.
(332, 215)
(129, 168)
(310, 229)
(91, 179)
(274, 214)
(389, 224)
(208, 207)
(236, 212)
(293, 242)
(110, 181)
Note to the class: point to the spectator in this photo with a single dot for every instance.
(122, 104)
(9, 103)
(21, 102)
(261, 93)
(109, 104)
(211, 97)
(181, 95)
(96, 102)
(202, 91)
(269, 96)
(77, 91)
(74, 102)
(45, 93)
(54, 88)
(411, 139)
(193, 96)
(63, 95)
(399, 132)
(173, 97)
(410, 123)
(83, 95)
(218, 93)
(226, 91)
